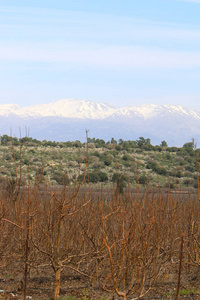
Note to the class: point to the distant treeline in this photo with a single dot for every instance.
(141, 143)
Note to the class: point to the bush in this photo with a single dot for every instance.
(102, 176)
(61, 179)
(106, 159)
(96, 153)
(188, 181)
(190, 168)
(94, 177)
(151, 165)
(156, 168)
(120, 180)
(117, 176)
(160, 170)
(170, 185)
(118, 148)
(143, 179)
(179, 174)
(126, 157)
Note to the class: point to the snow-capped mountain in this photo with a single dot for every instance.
(8, 109)
(63, 108)
(67, 119)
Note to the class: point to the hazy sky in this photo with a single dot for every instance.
(128, 52)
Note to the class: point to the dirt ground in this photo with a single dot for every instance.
(41, 287)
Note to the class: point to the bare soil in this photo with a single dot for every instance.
(41, 286)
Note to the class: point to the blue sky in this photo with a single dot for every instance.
(128, 52)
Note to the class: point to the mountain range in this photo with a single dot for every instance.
(67, 120)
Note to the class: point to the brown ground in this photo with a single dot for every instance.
(41, 287)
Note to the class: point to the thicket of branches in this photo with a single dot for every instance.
(124, 244)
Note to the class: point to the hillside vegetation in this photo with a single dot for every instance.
(127, 162)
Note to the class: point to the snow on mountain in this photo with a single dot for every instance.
(8, 109)
(82, 109)
(68, 108)
(67, 119)
(151, 111)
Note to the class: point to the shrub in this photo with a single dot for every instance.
(118, 148)
(188, 181)
(94, 177)
(161, 170)
(126, 157)
(61, 179)
(143, 179)
(120, 180)
(96, 153)
(118, 176)
(151, 165)
(190, 168)
(156, 168)
(106, 159)
(179, 174)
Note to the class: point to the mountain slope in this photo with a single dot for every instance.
(63, 108)
(67, 120)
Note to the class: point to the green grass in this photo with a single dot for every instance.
(182, 293)
(188, 292)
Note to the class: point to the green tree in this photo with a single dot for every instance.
(99, 143)
(113, 141)
(188, 145)
(142, 141)
(121, 142)
(163, 144)
(5, 139)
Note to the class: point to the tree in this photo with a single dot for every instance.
(55, 236)
(133, 262)
(163, 144)
(113, 141)
(121, 141)
(142, 141)
(189, 145)
(99, 143)
(5, 139)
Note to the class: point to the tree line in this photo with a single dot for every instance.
(142, 143)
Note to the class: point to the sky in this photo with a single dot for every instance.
(129, 52)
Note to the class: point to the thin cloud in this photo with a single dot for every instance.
(99, 56)
(114, 41)
(73, 24)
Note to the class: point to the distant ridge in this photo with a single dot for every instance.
(67, 119)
